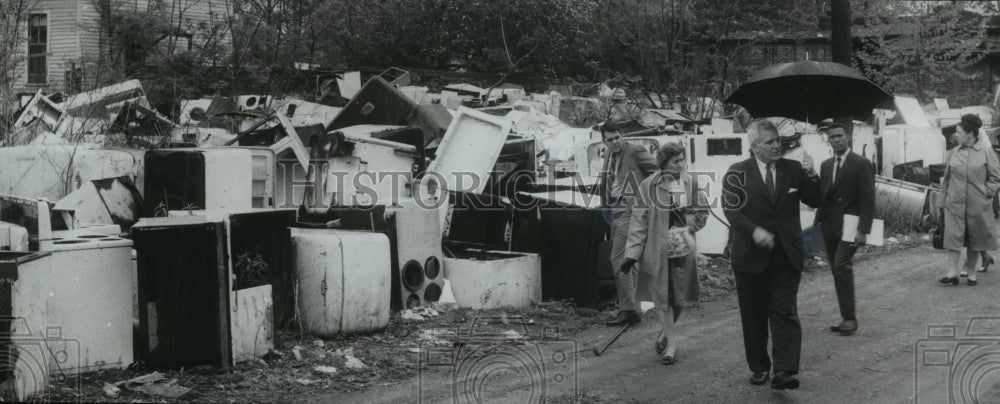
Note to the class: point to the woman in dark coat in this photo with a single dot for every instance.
(665, 203)
(971, 179)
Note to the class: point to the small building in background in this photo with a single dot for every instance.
(71, 46)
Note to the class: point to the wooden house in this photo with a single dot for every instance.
(68, 41)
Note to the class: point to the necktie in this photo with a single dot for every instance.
(612, 169)
(836, 168)
(769, 179)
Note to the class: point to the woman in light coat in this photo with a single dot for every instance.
(971, 179)
(669, 282)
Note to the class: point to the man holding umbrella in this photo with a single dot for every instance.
(766, 244)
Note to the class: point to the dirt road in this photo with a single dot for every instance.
(898, 297)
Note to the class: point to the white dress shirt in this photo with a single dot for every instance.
(762, 167)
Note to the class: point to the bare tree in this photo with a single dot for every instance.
(13, 38)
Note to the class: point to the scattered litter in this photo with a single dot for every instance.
(325, 369)
(273, 354)
(433, 335)
(892, 240)
(411, 316)
(155, 384)
(305, 382)
(414, 350)
(111, 391)
(511, 334)
(353, 363)
(419, 314)
(319, 343)
(297, 352)
(925, 237)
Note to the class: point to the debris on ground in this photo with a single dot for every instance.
(351, 362)
(511, 334)
(325, 369)
(419, 314)
(411, 316)
(155, 384)
(111, 390)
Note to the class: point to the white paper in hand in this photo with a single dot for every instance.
(875, 237)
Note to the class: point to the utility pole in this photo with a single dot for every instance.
(840, 12)
(840, 40)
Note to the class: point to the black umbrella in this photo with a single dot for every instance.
(809, 91)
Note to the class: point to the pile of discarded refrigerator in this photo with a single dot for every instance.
(257, 214)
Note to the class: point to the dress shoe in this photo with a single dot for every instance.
(971, 282)
(624, 316)
(946, 280)
(986, 265)
(669, 357)
(846, 327)
(661, 343)
(759, 378)
(784, 380)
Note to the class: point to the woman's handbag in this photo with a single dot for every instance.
(679, 241)
(937, 240)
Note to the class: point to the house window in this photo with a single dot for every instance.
(725, 147)
(38, 43)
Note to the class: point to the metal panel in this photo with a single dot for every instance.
(471, 146)
(250, 321)
(494, 279)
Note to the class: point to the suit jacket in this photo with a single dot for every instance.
(853, 192)
(748, 205)
(635, 165)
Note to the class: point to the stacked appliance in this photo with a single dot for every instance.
(482, 266)
(344, 280)
(211, 178)
(23, 334)
(212, 286)
(88, 295)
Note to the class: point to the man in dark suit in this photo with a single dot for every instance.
(761, 197)
(848, 184)
(625, 166)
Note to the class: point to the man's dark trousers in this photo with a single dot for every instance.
(771, 297)
(841, 254)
